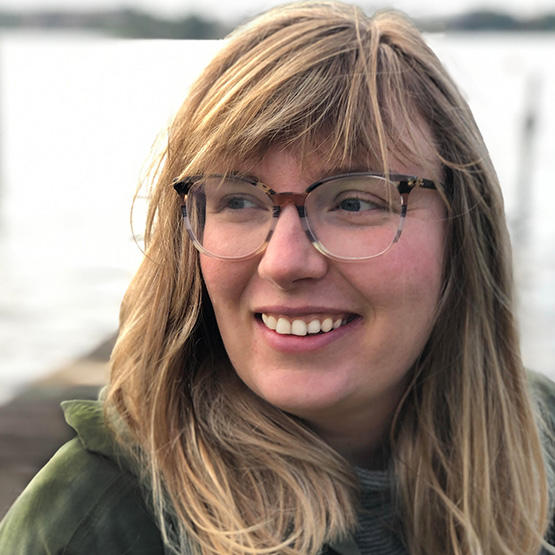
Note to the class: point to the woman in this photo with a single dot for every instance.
(318, 353)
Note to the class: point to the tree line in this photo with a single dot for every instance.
(132, 23)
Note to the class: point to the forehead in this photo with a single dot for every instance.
(409, 149)
(284, 165)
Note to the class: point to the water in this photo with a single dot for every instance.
(501, 76)
(78, 115)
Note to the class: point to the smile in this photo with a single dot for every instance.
(305, 326)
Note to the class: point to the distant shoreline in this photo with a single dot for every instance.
(134, 23)
(88, 370)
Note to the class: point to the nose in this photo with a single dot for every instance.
(289, 257)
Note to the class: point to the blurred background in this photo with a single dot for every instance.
(85, 86)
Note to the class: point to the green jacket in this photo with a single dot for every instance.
(80, 491)
(87, 499)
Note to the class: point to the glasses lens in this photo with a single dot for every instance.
(354, 216)
(229, 217)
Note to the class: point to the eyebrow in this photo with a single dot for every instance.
(246, 175)
(329, 172)
(337, 170)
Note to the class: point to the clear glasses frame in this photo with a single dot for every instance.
(403, 183)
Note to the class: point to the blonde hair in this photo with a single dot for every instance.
(229, 473)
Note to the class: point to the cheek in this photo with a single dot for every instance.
(212, 272)
(405, 275)
(405, 284)
(225, 282)
(421, 270)
(422, 254)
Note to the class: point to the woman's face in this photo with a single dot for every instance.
(351, 378)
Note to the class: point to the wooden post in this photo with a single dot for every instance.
(525, 171)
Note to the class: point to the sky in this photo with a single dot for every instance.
(238, 9)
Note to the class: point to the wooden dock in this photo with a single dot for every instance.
(32, 425)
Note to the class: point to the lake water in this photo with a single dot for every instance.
(78, 115)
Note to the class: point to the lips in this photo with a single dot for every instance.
(306, 324)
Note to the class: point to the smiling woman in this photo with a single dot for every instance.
(318, 353)
(372, 321)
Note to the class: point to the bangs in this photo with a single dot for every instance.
(313, 85)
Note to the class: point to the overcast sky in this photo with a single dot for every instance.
(237, 9)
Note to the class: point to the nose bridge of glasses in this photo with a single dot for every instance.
(282, 200)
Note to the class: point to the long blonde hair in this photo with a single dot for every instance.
(226, 472)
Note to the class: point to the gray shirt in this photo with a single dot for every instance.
(378, 532)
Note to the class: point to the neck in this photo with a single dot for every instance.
(365, 447)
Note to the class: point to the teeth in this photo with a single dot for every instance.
(314, 326)
(299, 327)
(283, 326)
(269, 321)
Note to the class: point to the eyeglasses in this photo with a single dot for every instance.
(352, 216)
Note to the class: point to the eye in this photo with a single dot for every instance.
(356, 201)
(237, 207)
(237, 202)
(233, 202)
(356, 204)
